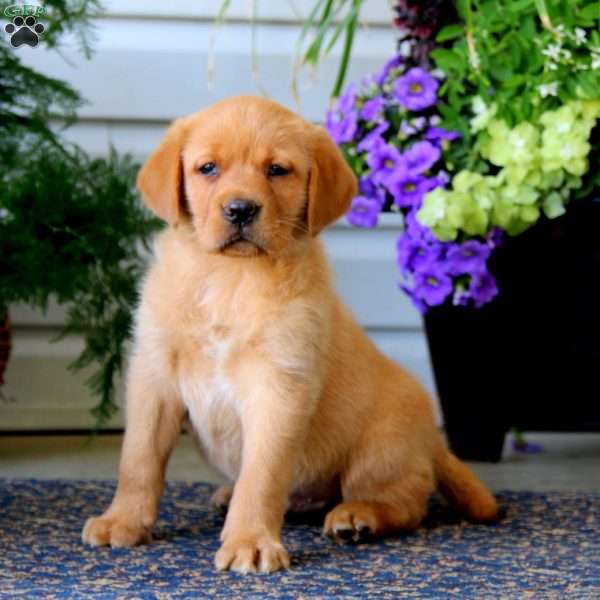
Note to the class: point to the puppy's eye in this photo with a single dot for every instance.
(208, 168)
(276, 170)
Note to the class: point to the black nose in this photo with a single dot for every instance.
(241, 212)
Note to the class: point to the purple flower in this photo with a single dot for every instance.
(483, 288)
(433, 285)
(406, 128)
(342, 129)
(438, 135)
(520, 444)
(442, 178)
(414, 228)
(416, 90)
(460, 298)
(371, 109)
(419, 123)
(495, 237)
(347, 101)
(416, 255)
(373, 138)
(469, 257)
(368, 188)
(385, 160)
(394, 62)
(408, 190)
(421, 156)
(364, 212)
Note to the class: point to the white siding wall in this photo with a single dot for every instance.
(150, 66)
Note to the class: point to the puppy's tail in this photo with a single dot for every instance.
(463, 489)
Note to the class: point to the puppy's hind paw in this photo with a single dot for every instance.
(221, 498)
(350, 522)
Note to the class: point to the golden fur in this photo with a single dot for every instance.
(246, 338)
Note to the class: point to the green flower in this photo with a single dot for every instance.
(445, 212)
(567, 152)
(515, 209)
(436, 215)
(442, 214)
(511, 146)
(550, 180)
(474, 217)
(479, 187)
(559, 121)
(514, 219)
(554, 205)
(589, 109)
(565, 136)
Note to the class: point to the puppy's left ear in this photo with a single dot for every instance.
(332, 182)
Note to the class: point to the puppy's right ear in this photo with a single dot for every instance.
(161, 178)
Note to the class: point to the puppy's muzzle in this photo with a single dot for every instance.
(240, 212)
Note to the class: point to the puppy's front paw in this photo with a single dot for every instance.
(251, 555)
(115, 531)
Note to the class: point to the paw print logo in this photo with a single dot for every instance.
(24, 31)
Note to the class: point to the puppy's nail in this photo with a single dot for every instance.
(362, 533)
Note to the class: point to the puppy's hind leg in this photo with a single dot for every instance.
(221, 498)
(379, 509)
(154, 420)
(385, 491)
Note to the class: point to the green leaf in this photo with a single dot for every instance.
(447, 60)
(591, 12)
(588, 84)
(516, 6)
(450, 32)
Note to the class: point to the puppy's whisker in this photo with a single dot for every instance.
(293, 224)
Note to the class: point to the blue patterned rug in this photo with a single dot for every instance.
(547, 546)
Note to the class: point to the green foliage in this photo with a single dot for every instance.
(71, 226)
(503, 58)
(523, 87)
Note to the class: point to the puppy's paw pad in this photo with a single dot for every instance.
(351, 522)
(252, 556)
(115, 532)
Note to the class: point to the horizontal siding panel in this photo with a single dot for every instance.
(42, 394)
(137, 138)
(374, 12)
(157, 71)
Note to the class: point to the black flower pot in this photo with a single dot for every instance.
(531, 358)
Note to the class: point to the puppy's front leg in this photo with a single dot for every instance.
(274, 420)
(154, 419)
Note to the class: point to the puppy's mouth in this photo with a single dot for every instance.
(240, 244)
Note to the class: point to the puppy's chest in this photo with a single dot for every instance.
(205, 370)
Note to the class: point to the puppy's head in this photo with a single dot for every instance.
(249, 176)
